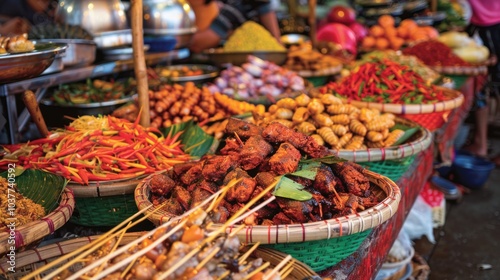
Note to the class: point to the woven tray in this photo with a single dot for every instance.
(461, 70)
(326, 229)
(419, 142)
(36, 230)
(334, 70)
(30, 260)
(104, 203)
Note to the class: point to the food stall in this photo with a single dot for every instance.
(298, 159)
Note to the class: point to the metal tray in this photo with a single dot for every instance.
(221, 58)
(79, 53)
(119, 53)
(210, 72)
(14, 67)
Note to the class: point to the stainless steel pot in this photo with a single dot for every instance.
(95, 16)
(79, 53)
(169, 18)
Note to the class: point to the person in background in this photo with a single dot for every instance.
(485, 21)
(230, 14)
(17, 16)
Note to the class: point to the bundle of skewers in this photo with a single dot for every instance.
(186, 247)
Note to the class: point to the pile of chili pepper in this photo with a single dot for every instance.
(385, 81)
(121, 150)
(435, 53)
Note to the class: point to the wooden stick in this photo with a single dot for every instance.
(207, 258)
(259, 269)
(140, 69)
(277, 268)
(244, 257)
(312, 22)
(31, 104)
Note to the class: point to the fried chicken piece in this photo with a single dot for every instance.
(182, 196)
(216, 167)
(173, 207)
(325, 181)
(243, 129)
(180, 168)
(242, 191)
(281, 219)
(298, 211)
(199, 195)
(193, 174)
(232, 148)
(254, 152)
(20, 43)
(278, 133)
(285, 160)
(161, 184)
(355, 181)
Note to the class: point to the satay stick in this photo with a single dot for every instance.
(127, 269)
(243, 258)
(285, 274)
(277, 268)
(257, 270)
(224, 275)
(114, 247)
(288, 268)
(207, 258)
(255, 209)
(78, 251)
(234, 232)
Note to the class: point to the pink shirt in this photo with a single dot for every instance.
(485, 12)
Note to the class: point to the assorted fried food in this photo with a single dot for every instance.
(15, 44)
(257, 156)
(304, 57)
(334, 124)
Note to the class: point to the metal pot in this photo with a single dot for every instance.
(169, 18)
(95, 16)
(79, 53)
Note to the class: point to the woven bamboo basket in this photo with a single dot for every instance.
(30, 260)
(473, 70)
(394, 161)
(32, 232)
(430, 116)
(319, 244)
(106, 203)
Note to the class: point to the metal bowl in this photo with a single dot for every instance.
(169, 17)
(53, 113)
(79, 52)
(221, 58)
(293, 39)
(95, 16)
(14, 67)
(209, 73)
(56, 66)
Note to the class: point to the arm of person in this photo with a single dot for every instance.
(14, 26)
(203, 40)
(270, 22)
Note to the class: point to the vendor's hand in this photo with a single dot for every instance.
(14, 26)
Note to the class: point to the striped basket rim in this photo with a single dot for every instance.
(36, 230)
(325, 229)
(421, 143)
(105, 188)
(456, 99)
(474, 70)
(321, 72)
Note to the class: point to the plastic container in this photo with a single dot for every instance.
(471, 171)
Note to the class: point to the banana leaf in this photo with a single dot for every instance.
(42, 187)
(196, 142)
(409, 132)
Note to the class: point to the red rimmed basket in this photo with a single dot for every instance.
(431, 116)
(35, 231)
(329, 240)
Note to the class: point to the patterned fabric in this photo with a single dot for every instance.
(234, 13)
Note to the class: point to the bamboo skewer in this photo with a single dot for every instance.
(243, 258)
(139, 61)
(277, 268)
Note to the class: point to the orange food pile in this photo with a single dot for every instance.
(385, 35)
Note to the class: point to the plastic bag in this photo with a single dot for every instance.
(419, 221)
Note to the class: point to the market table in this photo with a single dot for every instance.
(367, 260)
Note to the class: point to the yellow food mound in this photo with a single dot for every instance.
(251, 36)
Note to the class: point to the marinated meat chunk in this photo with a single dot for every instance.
(267, 222)
(192, 175)
(281, 219)
(216, 167)
(173, 207)
(298, 211)
(266, 213)
(264, 179)
(242, 128)
(285, 160)
(222, 215)
(325, 181)
(278, 133)
(161, 184)
(301, 180)
(180, 168)
(199, 195)
(236, 173)
(352, 179)
(242, 191)
(271, 205)
(255, 150)
(182, 196)
(232, 147)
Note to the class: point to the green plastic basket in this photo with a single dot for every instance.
(392, 169)
(322, 254)
(103, 211)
